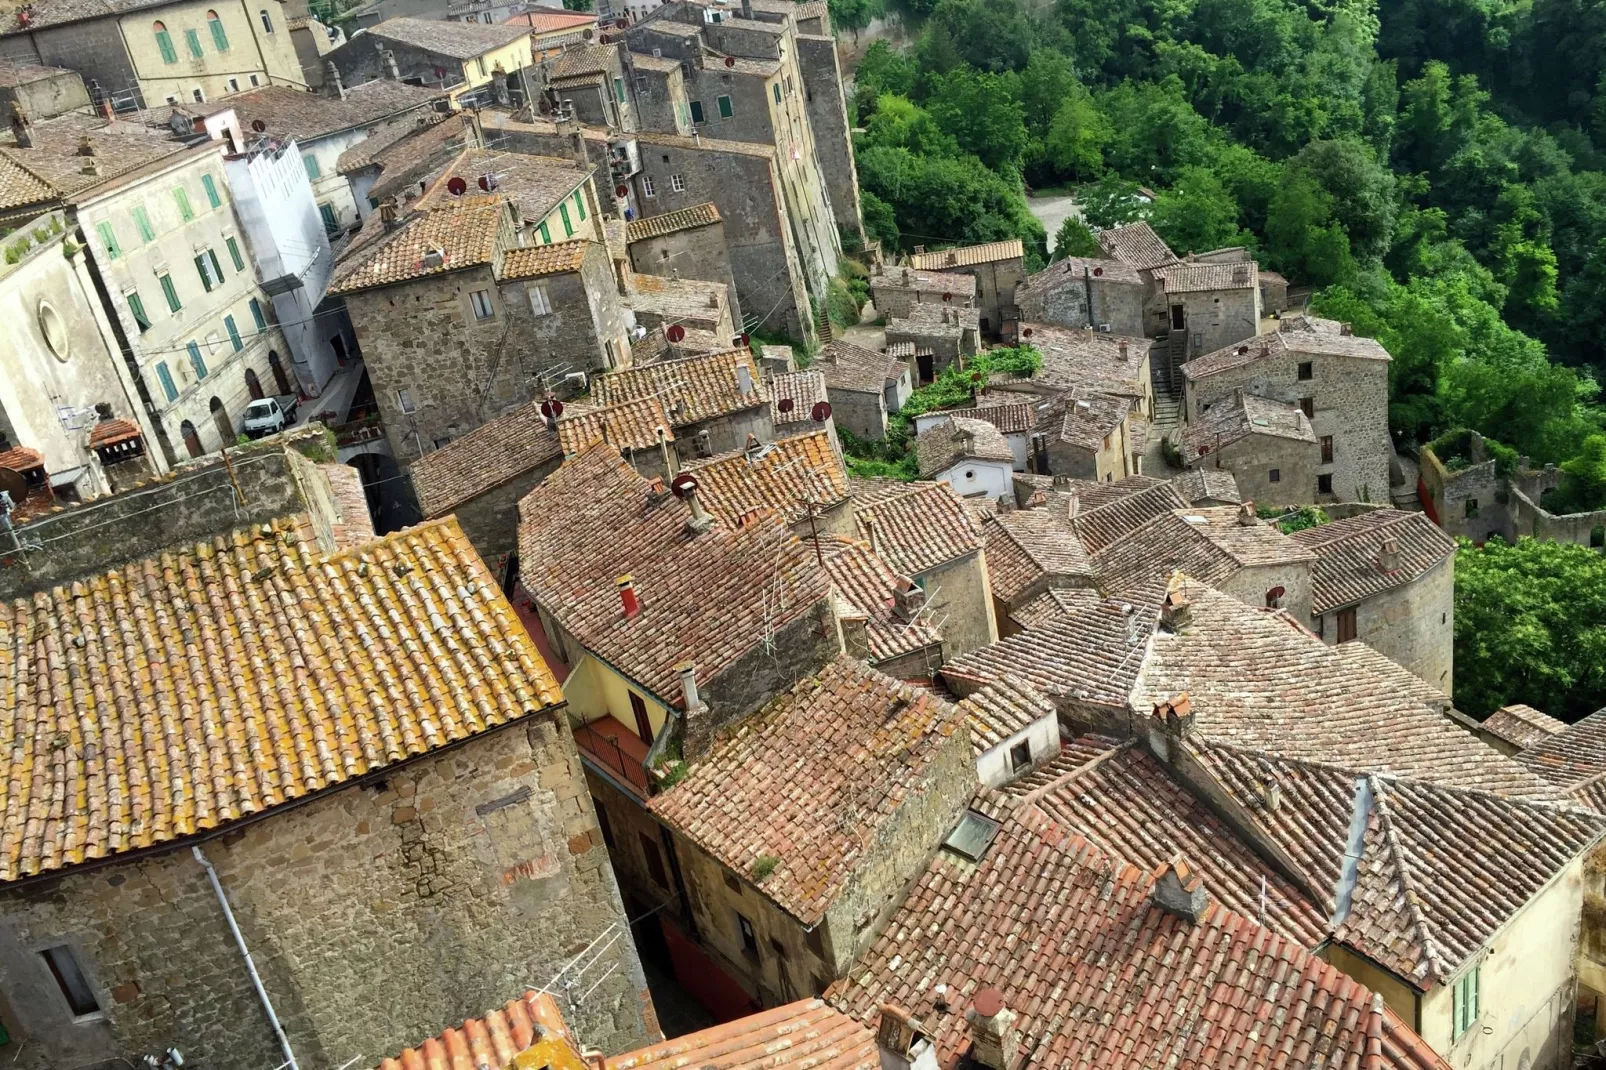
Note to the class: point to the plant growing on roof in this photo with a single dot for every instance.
(763, 866)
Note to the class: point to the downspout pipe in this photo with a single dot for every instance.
(245, 953)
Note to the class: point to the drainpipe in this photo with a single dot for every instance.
(245, 952)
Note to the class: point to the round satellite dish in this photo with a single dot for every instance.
(1027, 333)
(785, 404)
(683, 484)
(947, 297)
(551, 408)
(821, 411)
(1098, 271)
(258, 125)
(456, 185)
(485, 183)
(587, 34)
(730, 61)
(621, 191)
(737, 340)
(14, 484)
(675, 333)
(621, 24)
(745, 338)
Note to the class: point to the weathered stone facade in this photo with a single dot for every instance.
(828, 118)
(1210, 318)
(691, 253)
(1070, 294)
(1412, 624)
(962, 600)
(470, 873)
(1270, 469)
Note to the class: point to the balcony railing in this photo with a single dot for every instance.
(616, 749)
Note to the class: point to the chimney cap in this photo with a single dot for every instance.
(988, 1002)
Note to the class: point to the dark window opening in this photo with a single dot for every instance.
(602, 823)
(732, 882)
(1324, 484)
(71, 980)
(1346, 624)
(749, 937)
(1275, 475)
(655, 860)
(1327, 449)
(1020, 756)
(1307, 406)
(1305, 371)
(1472, 507)
(816, 941)
(1597, 536)
(638, 706)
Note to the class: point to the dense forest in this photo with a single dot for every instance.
(1435, 169)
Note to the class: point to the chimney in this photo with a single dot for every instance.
(1134, 627)
(855, 633)
(744, 379)
(1270, 793)
(688, 686)
(1179, 891)
(1122, 349)
(953, 257)
(21, 127)
(1346, 329)
(993, 1040)
(872, 536)
(1388, 555)
(1176, 612)
(700, 520)
(747, 9)
(1246, 515)
(627, 596)
(388, 59)
(906, 276)
(907, 600)
(332, 82)
(903, 1042)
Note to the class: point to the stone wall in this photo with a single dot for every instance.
(1471, 502)
(798, 649)
(491, 520)
(1115, 303)
(93, 47)
(660, 100)
(1215, 318)
(862, 413)
(46, 97)
(376, 914)
(725, 433)
(694, 253)
(962, 600)
(1251, 585)
(1529, 518)
(828, 118)
(1398, 623)
(1254, 458)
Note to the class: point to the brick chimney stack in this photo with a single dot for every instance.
(332, 82)
(994, 1043)
(1123, 349)
(1246, 515)
(1388, 555)
(700, 520)
(1178, 890)
(907, 600)
(1176, 612)
(689, 693)
(903, 1042)
(1172, 721)
(627, 596)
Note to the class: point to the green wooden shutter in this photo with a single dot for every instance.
(196, 359)
(257, 316)
(725, 109)
(164, 43)
(234, 333)
(220, 40)
(108, 238)
(217, 268)
(168, 386)
(211, 191)
(136, 307)
(563, 214)
(234, 254)
(181, 197)
(696, 111)
(580, 204)
(311, 164)
(170, 292)
(142, 221)
(193, 40)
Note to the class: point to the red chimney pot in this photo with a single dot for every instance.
(627, 596)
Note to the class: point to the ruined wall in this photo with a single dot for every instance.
(863, 413)
(376, 914)
(1471, 502)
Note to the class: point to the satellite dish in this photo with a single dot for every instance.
(821, 411)
(1098, 271)
(947, 297)
(730, 61)
(551, 408)
(738, 340)
(1027, 333)
(675, 333)
(586, 34)
(683, 484)
(975, 377)
(621, 24)
(785, 404)
(456, 185)
(14, 484)
(745, 338)
(485, 183)
(258, 125)
(621, 191)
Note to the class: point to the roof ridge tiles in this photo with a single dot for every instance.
(1033, 797)
(1402, 871)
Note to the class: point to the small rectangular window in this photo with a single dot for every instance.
(331, 222)
(203, 267)
(257, 316)
(655, 860)
(1274, 476)
(193, 40)
(540, 300)
(136, 308)
(210, 187)
(749, 937)
(677, 183)
(696, 111)
(166, 378)
(545, 232)
(1324, 484)
(1327, 449)
(404, 400)
(200, 97)
(602, 823)
(815, 938)
(1020, 756)
(1346, 624)
(777, 88)
(1305, 370)
(108, 238)
(1307, 406)
(619, 89)
(142, 223)
(1472, 507)
(196, 360)
(563, 215)
(646, 187)
(71, 980)
(234, 254)
(170, 292)
(234, 333)
(181, 197)
(725, 109)
(481, 300)
(254, 77)
(310, 163)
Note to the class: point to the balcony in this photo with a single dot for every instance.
(616, 750)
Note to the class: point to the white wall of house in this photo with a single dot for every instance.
(996, 766)
(975, 477)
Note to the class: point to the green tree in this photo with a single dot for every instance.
(994, 35)
(1045, 84)
(1154, 131)
(1583, 480)
(1074, 146)
(900, 123)
(851, 15)
(1197, 214)
(1074, 238)
(879, 221)
(1362, 191)
(980, 112)
(1110, 202)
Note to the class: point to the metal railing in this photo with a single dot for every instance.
(603, 747)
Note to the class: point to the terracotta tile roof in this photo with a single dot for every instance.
(692, 390)
(455, 40)
(1083, 360)
(707, 598)
(1572, 756)
(287, 113)
(1092, 655)
(1101, 977)
(467, 233)
(406, 153)
(582, 59)
(656, 226)
(1522, 726)
(20, 186)
(1069, 272)
(934, 319)
(944, 445)
(848, 367)
(1348, 555)
(809, 780)
(1187, 278)
(1238, 417)
(1099, 526)
(780, 477)
(1001, 709)
(1404, 680)
(691, 303)
(111, 432)
(548, 21)
(21, 458)
(1010, 417)
(1299, 336)
(165, 714)
(1028, 545)
(52, 170)
(1441, 869)
(961, 287)
(919, 528)
(534, 185)
(352, 524)
(535, 261)
(1056, 605)
(969, 255)
(807, 1035)
(1131, 806)
(812, 9)
(1248, 544)
(1139, 564)
(1259, 682)
(1090, 418)
(1091, 494)
(629, 425)
(1200, 485)
(483, 459)
(867, 583)
(1137, 246)
(803, 390)
(489, 1041)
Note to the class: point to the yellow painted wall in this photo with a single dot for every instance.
(511, 57)
(594, 690)
(270, 57)
(1400, 997)
(591, 229)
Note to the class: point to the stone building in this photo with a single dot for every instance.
(1472, 493)
(1093, 439)
(1268, 446)
(41, 92)
(588, 81)
(1339, 381)
(897, 290)
(1013, 417)
(1381, 577)
(999, 268)
(714, 401)
(971, 456)
(688, 244)
(465, 59)
(864, 387)
(1211, 304)
(1085, 361)
(340, 841)
(884, 617)
(941, 334)
(1032, 554)
(801, 479)
(142, 55)
(1080, 292)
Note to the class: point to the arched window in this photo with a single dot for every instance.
(192, 439)
(1274, 598)
(279, 375)
(220, 40)
(220, 416)
(253, 385)
(164, 43)
(267, 21)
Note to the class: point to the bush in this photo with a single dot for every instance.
(763, 866)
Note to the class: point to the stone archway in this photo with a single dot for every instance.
(225, 427)
(192, 439)
(279, 376)
(253, 385)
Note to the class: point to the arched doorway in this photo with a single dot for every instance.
(278, 372)
(220, 416)
(192, 438)
(253, 385)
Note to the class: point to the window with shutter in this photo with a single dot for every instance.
(164, 44)
(210, 187)
(220, 40)
(193, 40)
(170, 292)
(142, 223)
